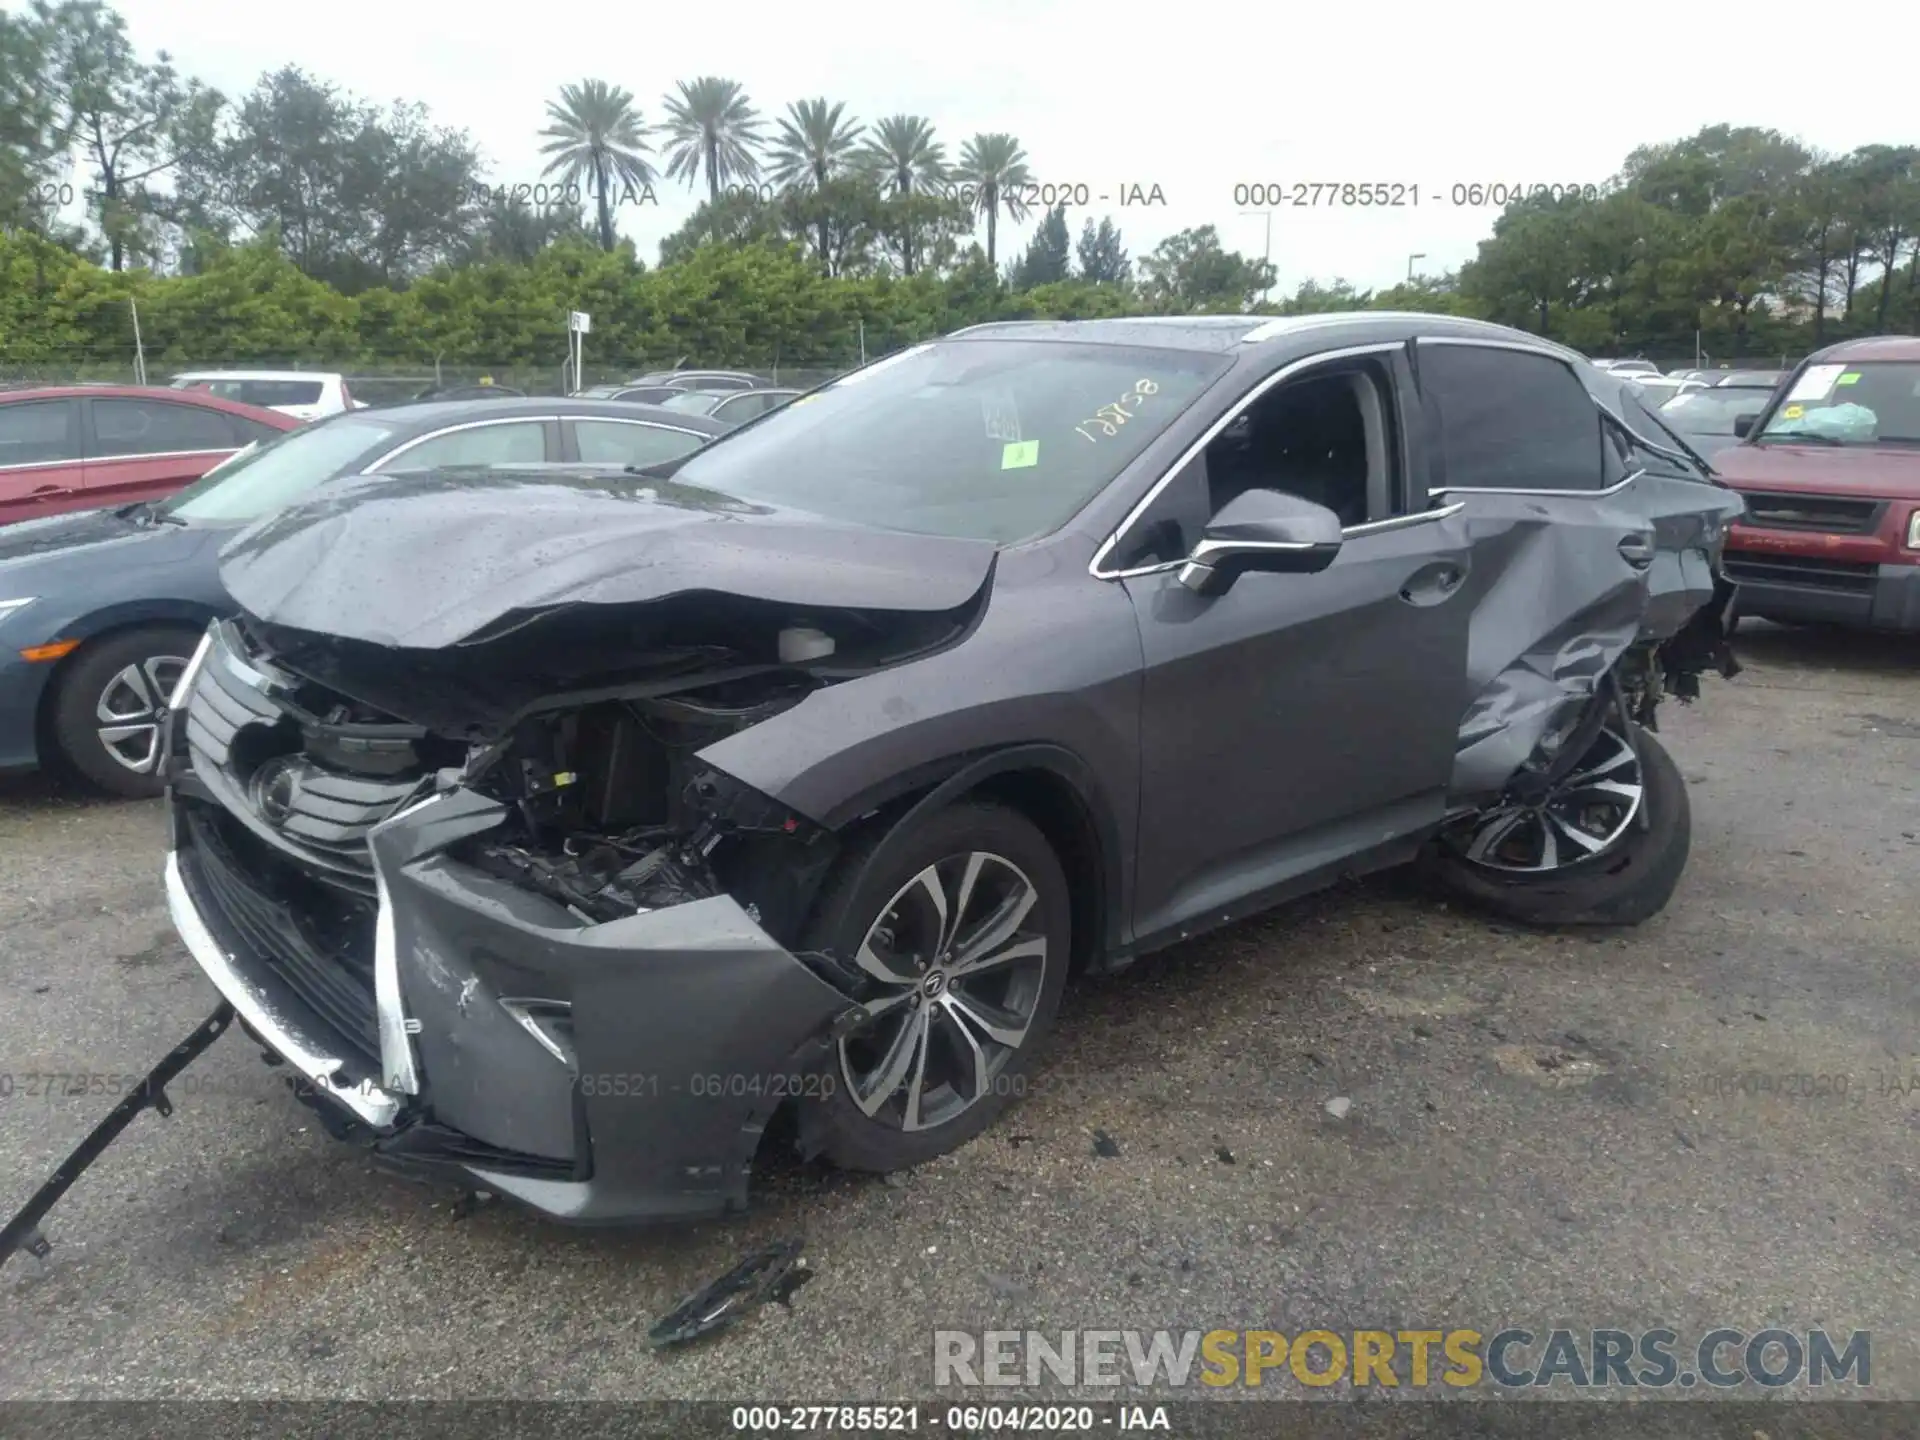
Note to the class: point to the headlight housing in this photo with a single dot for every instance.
(1913, 534)
(10, 607)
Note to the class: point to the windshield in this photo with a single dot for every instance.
(1712, 412)
(692, 402)
(1874, 402)
(988, 439)
(256, 482)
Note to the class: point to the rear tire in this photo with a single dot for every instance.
(110, 706)
(951, 1039)
(1631, 880)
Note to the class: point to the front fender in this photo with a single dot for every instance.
(1049, 679)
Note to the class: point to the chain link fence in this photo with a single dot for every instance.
(378, 384)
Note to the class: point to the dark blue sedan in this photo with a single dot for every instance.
(99, 611)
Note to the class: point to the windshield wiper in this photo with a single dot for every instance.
(145, 512)
(1808, 439)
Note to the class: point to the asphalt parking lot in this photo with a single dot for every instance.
(1542, 1129)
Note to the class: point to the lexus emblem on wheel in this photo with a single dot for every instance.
(276, 791)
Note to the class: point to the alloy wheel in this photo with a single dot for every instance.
(1582, 816)
(133, 707)
(959, 958)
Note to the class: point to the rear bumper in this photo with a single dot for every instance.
(1811, 589)
(680, 1030)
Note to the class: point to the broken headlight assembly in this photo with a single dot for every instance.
(614, 814)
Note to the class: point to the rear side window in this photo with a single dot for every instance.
(613, 442)
(518, 443)
(156, 427)
(250, 429)
(1508, 420)
(36, 433)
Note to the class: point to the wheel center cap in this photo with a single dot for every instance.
(934, 985)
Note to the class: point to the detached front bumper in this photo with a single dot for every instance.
(595, 1072)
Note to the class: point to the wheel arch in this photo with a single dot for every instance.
(104, 625)
(1053, 788)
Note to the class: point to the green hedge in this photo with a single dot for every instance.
(754, 305)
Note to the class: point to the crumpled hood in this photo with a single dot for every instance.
(429, 561)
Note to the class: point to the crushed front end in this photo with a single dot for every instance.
(549, 960)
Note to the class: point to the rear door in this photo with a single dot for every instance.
(145, 448)
(1515, 437)
(40, 466)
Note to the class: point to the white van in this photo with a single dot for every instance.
(303, 394)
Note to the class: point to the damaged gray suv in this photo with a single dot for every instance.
(561, 831)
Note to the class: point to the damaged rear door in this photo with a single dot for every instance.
(1565, 543)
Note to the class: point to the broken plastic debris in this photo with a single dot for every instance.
(1105, 1146)
(770, 1274)
(1339, 1106)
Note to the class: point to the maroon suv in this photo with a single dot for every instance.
(1830, 469)
(86, 447)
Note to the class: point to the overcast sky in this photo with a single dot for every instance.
(1194, 99)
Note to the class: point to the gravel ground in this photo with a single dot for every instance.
(1543, 1129)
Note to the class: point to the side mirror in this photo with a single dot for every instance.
(1262, 530)
(1743, 424)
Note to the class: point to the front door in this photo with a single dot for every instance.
(1299, 720)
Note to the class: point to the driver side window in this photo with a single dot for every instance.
(1325, 436)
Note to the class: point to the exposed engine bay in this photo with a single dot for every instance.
(614, 814)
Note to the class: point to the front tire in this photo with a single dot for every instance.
(110, 708)
(964, 930)
(1630, 876)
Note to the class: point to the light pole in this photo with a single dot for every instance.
(1266, 254)
(1410, 259)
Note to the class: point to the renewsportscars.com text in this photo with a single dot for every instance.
(1510, 1358)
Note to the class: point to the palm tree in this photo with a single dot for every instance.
(997, 167)
(900, 154)
(712, 129)
(814, 145)
(598, 136)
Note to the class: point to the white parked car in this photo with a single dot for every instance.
(1661, 388)
(1632, 369)
(303, 394)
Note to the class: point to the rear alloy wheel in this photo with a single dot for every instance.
(111, 708)
(1605, 846)
(963, 936)
(1582, 817)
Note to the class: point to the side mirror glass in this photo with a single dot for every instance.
(1266, 530)
(1743, 424)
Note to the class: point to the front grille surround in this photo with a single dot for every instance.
(327, 962)
(239, 736)
(1814, 514)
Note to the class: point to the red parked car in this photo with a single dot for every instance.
(1830, 470)
(86, 447)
